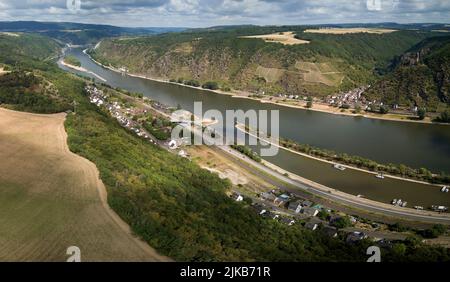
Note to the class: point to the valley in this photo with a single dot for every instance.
(186, 208)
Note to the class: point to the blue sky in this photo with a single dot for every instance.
(203, 13)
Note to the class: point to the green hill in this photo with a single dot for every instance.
(327, 64)
(26, 48)
(420, 77)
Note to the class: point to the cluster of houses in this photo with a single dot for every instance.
(292, 97)
(353, 98)
(350, 98)
(300, 209)
(160, 107)
(297, 206)
(123, 114)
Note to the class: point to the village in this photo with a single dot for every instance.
(278, 205)
(352, 100)
(291, 209)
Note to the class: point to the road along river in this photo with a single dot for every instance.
(416, 145)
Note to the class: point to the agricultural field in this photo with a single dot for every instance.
(285, 38)
(269, 74)
(51, 199)
(320, 73)
(350, 30)
(10, 34)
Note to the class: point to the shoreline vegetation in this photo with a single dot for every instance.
(81, 69)
(323, 108)
(72, 60)
(397, 171)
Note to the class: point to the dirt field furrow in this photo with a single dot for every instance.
(51, 199)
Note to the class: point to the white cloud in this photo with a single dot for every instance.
(216, 12)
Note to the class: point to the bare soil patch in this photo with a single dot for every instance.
(286, 38)
(349, 30)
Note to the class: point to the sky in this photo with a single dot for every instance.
(205, 13)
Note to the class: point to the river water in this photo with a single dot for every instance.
(413, 144)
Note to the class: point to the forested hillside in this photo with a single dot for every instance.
(26, 48)
(26, 87)
(420, 77)
(327, 64)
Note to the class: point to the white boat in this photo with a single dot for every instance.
(339, 167)
(380, 176)
(444, 189)
(420, 208)
(439, 208)
(404, 204)
(394, 202)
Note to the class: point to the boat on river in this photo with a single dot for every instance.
(399, 203)
(339, 167)
(439, 208)
(380, 176)
(445, 189)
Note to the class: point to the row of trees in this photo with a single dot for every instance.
(211, 85)
(360, 162)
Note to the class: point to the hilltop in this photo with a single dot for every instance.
(77, 33)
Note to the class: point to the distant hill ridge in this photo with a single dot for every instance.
(78, 33)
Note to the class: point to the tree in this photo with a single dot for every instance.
(342, 222)
(384, 110)
(212, 85)
(399, 249)
(434, 232)
(444, 117)
(421, 113)
(309, 104)
(323, 215)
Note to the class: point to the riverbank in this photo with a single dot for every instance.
(81, 69)
(242, 129)
(279, 101)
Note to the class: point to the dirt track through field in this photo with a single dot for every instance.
(51, 199)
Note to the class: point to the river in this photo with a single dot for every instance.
(413, 144)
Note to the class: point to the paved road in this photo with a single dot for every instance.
(337, 198)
